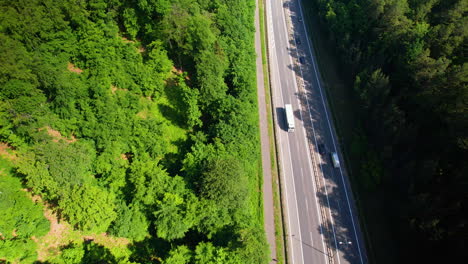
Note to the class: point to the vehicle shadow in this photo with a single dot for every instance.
(281, 116)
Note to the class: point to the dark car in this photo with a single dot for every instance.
(298, 41)
(322, 149)
(299, 19)
(302, 60)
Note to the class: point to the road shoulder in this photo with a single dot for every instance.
(268, 196)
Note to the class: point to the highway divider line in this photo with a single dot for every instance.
(331, 132)
(270, 39)
(330, 254)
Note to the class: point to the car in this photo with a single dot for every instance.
(322, 149)
(335, 159)
(302, 60)
(298, 41)
(299, 19)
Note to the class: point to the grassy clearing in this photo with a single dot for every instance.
(5, 162)
(345, 110)
(279, 233)
(61, 233)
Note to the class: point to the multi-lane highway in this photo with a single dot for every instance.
(320, 215)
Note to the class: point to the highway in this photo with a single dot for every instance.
(319, 210)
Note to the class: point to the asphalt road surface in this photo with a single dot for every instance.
(321, 219)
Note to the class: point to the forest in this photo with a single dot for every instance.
(407, 62)
(129, 132)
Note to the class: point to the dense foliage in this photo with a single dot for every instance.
(21, 219)
(407, 59)
(137, 118)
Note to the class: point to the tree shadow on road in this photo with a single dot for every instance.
(335, 226)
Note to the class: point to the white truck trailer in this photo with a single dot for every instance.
(289, 117)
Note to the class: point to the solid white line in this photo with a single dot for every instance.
(313, 156)
(292, 174)
(305, 141)
(331, 131)
(297, 207)
(272, 51)
(311, 240)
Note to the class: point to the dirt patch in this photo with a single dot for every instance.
(56, 135)
(126, 156)
(107, 241)
(142, 114)
(34, 198)
(126, 40)
(180, 72)
(115, 88)
(177, 71)
(6, 151)
(59, 235)
(71, 67)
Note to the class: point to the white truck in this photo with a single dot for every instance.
(289, 117)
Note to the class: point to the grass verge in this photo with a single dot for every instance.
(279, 233)
(345, 112)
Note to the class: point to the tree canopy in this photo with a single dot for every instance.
(407, 59)
(116, 110)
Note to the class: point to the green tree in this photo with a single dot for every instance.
(68, 163)
(179, 255)
(95, 211)
(70, 254)
(224, 182)
(174, 216)
(94, 253)
(130, 21)
(131, 222)
(206, 253)
(189, 107)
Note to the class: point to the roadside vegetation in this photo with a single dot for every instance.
(405, 72)
(135, 126)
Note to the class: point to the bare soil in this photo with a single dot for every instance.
(57, 136)
(6, 151)
(71, 67)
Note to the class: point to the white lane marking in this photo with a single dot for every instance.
(331, 131)
(311, 240)
(284, 180)
(316, 145)
(297, 205)
(320, 164)
(272, 51)
(305, 141)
